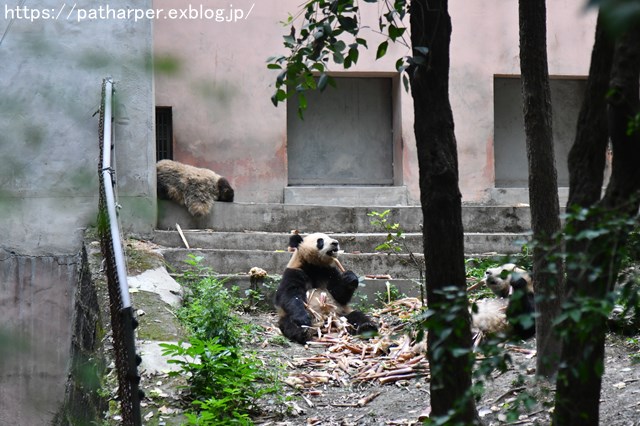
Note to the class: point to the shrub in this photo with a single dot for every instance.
(224, 384)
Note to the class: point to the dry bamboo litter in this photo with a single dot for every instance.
(388, 358)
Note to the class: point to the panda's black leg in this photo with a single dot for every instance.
(362, 323)
(292, 330)
(294, 316)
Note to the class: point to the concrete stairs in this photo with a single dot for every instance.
(238, 236)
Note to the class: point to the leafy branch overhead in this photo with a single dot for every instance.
(329, 31)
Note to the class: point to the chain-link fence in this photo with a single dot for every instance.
(123, 322)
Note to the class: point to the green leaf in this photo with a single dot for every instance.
(289, 40)
(274, 67)
(354, 55)
(382, 49)
(418, 60)
(458, 352)
(405, 81)
(302, 100)
(362, 42)
(318, 67)
(348, 24)
(422, 50)
(322, 81)
(395, 32)
(575, 315)
(279, 96)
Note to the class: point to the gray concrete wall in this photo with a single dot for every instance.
(35, 335)
(50, 81)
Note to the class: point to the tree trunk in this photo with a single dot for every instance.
(449, 335)
(543, 182)
(579, 381)
(587, 156)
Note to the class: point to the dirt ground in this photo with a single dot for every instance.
(322, 386)
(383, 381)
(325, 392)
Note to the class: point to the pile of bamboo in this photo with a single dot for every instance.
(390, 357)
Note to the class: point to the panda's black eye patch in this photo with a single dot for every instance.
(320, 243)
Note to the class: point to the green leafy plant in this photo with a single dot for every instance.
(392, 293)
(475, 271)
(207, 311)
(395, 244)
(395, 234)
(225, 384)
(260, 294)
(634, 344)
(330, 30)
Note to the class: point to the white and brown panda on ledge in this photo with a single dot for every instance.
(314, 265)
(513, 313)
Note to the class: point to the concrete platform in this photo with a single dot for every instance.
(347, 195)
(475, 243)
(520, 196)
(239, 217)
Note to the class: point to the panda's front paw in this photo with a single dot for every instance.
(301, 319)
(367, 329)
(350, 279)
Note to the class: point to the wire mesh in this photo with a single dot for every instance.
(122, 320)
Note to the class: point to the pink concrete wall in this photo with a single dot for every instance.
(485, 43)
(224, 119)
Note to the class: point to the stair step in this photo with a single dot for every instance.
(506, 243)
(239, 217)
(275, 262)
(371, 288)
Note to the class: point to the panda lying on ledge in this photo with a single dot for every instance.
(313, 265)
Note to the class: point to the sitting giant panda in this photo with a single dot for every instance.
(314, 265)
(514, 312)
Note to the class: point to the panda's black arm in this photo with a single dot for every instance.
(521, 310)
(292, 295)
(342, 286)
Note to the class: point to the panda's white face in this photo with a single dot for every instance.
(499, 279)
(324, 245)
(317, 249)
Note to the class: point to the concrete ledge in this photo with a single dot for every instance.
(474, 243)
(329, 219)
(520, 196)
(347, 195)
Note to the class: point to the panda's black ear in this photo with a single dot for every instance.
(518, 281)
(295, 240)
(320, 243)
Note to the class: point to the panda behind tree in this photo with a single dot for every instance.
(313, 266)
(513, 312)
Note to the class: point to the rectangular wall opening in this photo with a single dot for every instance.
(346, 137)
(510, 155)
(164, 133)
